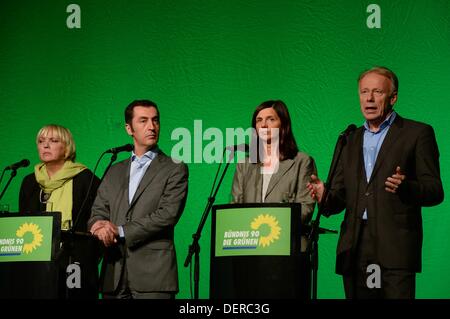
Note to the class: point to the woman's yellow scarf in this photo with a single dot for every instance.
(60, 186)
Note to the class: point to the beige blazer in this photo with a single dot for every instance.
(288, 184)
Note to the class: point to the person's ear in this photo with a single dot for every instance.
(129, 129)
(393, 98)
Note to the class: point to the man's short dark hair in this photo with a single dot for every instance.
(132, 105)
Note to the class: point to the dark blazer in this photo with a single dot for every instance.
(30, 192)
(148, 224)
(395, 221)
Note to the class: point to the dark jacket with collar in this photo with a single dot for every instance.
(395, 220)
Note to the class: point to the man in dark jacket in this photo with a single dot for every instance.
(388, 170)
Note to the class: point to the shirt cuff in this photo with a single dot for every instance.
(121, 233)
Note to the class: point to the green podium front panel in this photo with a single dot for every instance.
(28, 255)
(256, 252)
(35, 255)
(26, 238)
(253, 231)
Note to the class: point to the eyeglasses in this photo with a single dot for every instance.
(375, 92)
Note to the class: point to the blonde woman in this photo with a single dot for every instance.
(58, 182)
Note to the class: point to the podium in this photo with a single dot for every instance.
(39, 261)
(256, 252)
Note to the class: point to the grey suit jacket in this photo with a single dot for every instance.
(148, 223)
(287, 184)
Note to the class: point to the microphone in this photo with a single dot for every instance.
(348, 130)
(123, 148)
(240, 147)
(22, 163)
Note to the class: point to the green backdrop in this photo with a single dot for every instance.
(215, 61)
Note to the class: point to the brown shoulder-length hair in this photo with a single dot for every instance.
(287, 147)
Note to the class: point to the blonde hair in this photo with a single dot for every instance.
(61, 133)
(384, 71)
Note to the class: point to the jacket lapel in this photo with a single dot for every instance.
(123, 184)
(284, 166)
(257, 178)
(390, 138)
(126, 180)
(359, 165)
(149, 175)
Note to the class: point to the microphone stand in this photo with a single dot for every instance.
(13, 174)
(194, 248)
(72, 233)
(111, 161)
(313, 238)
(103, 267)
(1, 177)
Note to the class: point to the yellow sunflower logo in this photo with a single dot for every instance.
(37, 236)
(272, 223)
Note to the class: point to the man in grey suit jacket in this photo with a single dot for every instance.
(136, 209)
(388, 170)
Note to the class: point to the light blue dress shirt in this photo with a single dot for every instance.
(372, 145)
(138, 167)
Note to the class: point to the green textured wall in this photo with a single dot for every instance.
(216, 61)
